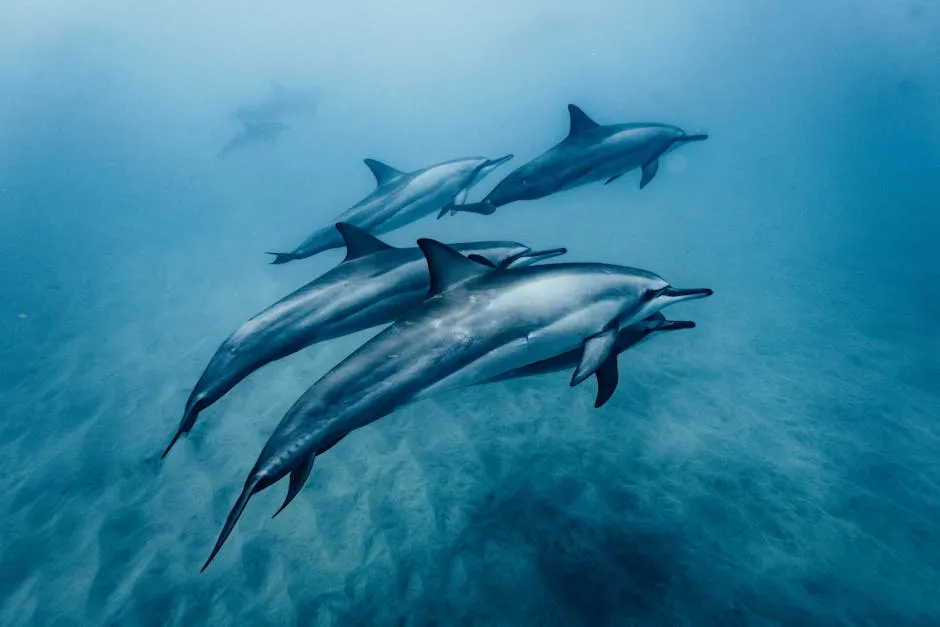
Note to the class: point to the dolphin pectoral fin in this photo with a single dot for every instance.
(461, 196)
(649, 171)
(298, 477)
(251, 486)
(359, 242)
(613, 178)
(597, 349)
(607, 379)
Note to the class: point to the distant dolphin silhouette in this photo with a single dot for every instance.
(282, 103)
(590, 153)
(254, 133)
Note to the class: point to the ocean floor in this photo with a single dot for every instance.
(777, 465)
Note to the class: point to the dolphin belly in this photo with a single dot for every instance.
(416, 210)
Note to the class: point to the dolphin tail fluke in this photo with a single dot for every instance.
(448, 208)
(483, 207)
(193, 407)
(176, 437)
(298, 477)
(280, 258)
(251, 486)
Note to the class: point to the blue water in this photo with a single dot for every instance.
(777, 465)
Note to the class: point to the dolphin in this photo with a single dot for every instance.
(253, 133)
(375, 284)
(282, 102)
(476, 323)
(400, 198)
(589, 153)
(607, 376)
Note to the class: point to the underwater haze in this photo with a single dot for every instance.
(776, 465)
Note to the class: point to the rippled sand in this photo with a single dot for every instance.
(776, 465)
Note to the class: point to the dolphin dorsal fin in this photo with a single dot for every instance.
(447, 267)
(358, 242)
(579, 121)
(383, 173)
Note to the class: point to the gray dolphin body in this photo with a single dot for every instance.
(607, 376)
(590, 153)
(476, 323)
(400, 198)
(253, 133)
(375, 284)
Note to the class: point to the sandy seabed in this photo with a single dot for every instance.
(762, 469)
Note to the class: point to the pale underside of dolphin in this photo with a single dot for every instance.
(477, 323)
(399, 198)
(375, 284)
(590, 153)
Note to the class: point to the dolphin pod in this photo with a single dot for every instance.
(374, 284)
(455, 315)
(400, 198)
(477, 323)
(589, 153)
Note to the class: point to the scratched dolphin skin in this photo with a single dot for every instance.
(477, 322)
(590, 153)
(375, 284)
(399, 198)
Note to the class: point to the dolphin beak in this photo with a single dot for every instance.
(534, 256)
(492, 164)
(675, 325)
(672, 295)
(695, 137)
(675, 292)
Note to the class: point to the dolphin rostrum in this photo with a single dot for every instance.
(400, 198)
(607, 375)
(590, 153)
(476, 323)
(253, 133)
(375, 284)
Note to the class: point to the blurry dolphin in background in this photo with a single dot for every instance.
(400, 198)
(282, 103)
(476, 323)
(374, 285)
(254, 133)
(590, 153)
